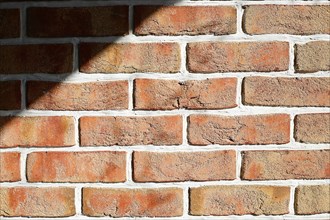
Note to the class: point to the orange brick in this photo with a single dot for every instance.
(152, 94)
(77, 96)
(158, 130)
(280, 165)
(10, 167)
(239, 200)
(234, 130)
(287, 19)
(37, 202)
(76, 167)
(54, 131)
(37, 58)
(210, 57)
(283, 91)
(166, 202)
(184, 20)
(129, 58)
(184, 166)
(77, 22)
(9, 23)
(10, 95)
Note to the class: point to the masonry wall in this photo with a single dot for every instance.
(176, 109)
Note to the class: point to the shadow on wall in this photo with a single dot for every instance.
(41, 65)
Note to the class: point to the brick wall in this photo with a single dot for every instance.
(177, 109)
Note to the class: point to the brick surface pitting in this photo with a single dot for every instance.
(132, 202)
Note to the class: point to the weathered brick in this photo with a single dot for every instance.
(77, 22)
(158, 130)
(9, 23)
(153, 94)
(312, 57)
(284, 164)
(312, 199)
(184, 20)
(76, 167)
(55, 131)
(36, 58)
(184, 166)
(239, 200)
(210, 57)
(77, 96)
(129, 57)
(162, 202)
(10, 167)
(283, 91)
(286, 19)
(10, 95)
(249, 129)
(312, 128)
(37, 202)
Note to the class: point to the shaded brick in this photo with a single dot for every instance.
(10, 167)
(9, 23)
(161, 202)
(234, 130)
(211, 57)
(10, 95)
(184, 166)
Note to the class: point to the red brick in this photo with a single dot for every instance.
(56, 131)
(239, 200)
(312, 128)
(280, 165)
(283, 91)
(162, 202)
(10, 95)
(76, 167)
(9, 23)
(158, 130)
(129, 57)
(312, 199)
(77, 96)
(152, 94)
(235, 130)
(184, 166)
(286, 19)
(36, 58)
(77, 22)
(184, 20)
(312, 57)
(10, 167)
(37, 202)
(210, 57)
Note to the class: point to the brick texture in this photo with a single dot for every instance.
(312, 57)
(132, 202)
(53, 131)
(239, 200)
(77, 96)
(9, 23)
(10, 95)
(10, 167)
(77, 22)
(129, 58)
(280, 165)
(287, 19)
(235, 130)
(283, 91)
(184, 20)
(153, 94)
(184, 166)
(210, 57)
(37, 202)
(101, 131)
(312, 128)
(76, 167)
(34, 58)
(312, 199)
